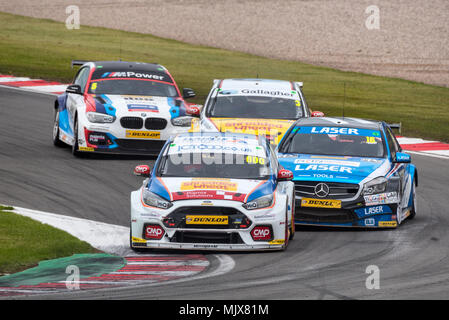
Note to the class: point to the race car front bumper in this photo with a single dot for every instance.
(115, 139)
(274, 245)
(379, 212)
(241, 229)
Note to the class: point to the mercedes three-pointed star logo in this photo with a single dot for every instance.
(321, 190)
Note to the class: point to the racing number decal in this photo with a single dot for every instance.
(298, 103)
(255, 160)
(371, 140)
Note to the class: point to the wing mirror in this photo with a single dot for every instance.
(188, 93)
(317, 114)
(142, 170)
(74, 88)
(402, 158)
(285, 175)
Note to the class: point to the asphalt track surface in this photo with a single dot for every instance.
(319, 263)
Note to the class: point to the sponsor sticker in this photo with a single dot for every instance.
(206, 220)
(367, 211)
(340, 131)
(86, 149)
(328, 162)
(277, 241)
(321, 203)
(131, 74)
(388, 224)
(143, 134)
(323, 167)
(382, 198)
(208, 184)
(138, 240)
(142, 107)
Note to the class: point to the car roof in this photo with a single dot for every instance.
(253, 84)
(123, 65)
(340, 122)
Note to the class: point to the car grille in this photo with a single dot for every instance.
(131, 122)
(306, 189)
(207, 237)
(155, 123)
(324, 215)
(236, 219)
(152, 146)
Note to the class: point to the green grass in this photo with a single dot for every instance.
(43, 49)
(24, 242)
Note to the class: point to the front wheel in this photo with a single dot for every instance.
(137, 250)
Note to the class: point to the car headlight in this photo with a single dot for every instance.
(259, 203)
(377, 185)
(152, 199)
(96, 117)
(182, 121)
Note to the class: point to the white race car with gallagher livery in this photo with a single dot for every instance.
(120, 107)
(254, 106)
(213, 191)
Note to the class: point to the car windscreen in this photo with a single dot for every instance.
(133, 87)
(334, 141)
(263, 107)
(216, 165)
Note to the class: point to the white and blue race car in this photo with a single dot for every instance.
(213, 191)
(349, 172)
(120, 107)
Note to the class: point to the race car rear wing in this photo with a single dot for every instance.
(78, 62)
(395, 126)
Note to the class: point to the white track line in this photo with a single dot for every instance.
(115, 239)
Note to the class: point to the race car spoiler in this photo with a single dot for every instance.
(395, 126)
(79, 62)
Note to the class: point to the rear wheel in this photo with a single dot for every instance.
(415, 203)
(55, 135)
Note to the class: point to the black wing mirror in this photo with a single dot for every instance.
(74, 88)
(188, 93)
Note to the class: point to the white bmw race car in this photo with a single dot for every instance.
(120, 107)
(214, 191)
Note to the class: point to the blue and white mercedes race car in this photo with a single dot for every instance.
(214, 191)
(120, 107)
(349, 172)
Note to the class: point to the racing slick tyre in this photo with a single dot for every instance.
(55, 135)
(137, 250)
(415, 203)
(287, 232)
(75, 151)
(292, 227)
